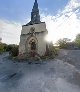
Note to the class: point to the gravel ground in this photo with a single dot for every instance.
(52, 76)
(70, 56)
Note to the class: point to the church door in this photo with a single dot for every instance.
(33, 46)
(33, 49)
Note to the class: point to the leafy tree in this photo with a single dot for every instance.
(62, 43)
(77, 40)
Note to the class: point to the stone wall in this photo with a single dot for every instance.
(40, 33)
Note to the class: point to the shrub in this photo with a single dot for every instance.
(1, 48)
(9, 47)
(51, 52)
(14, 51)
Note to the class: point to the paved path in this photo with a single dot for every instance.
(51, 76)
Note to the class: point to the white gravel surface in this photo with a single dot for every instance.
(49, 76)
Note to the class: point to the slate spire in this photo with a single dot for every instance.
(35, 7)
(35, 17)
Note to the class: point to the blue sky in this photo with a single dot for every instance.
(62, 18)
(18, 10)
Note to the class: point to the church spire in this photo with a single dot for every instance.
(35, 7)
(35, 17)
(36, 1)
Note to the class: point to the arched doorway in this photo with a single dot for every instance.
(32, 46)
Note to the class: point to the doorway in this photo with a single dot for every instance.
(33, 46)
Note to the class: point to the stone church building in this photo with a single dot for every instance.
(32, 39)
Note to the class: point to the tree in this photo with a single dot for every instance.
(77, 40)
(62, 43)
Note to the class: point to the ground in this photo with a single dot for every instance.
(47, 76)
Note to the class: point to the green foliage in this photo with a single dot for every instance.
(9, 47)
(77, 40)
(52, 52)
(1, 48)
(62, 43)
(14, 51)
(55, 51)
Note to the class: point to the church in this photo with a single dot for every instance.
(32, 39)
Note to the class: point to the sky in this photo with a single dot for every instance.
(62, 18)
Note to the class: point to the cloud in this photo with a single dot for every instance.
(66, 24)
(10, 31)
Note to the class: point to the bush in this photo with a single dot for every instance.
(1, 48)
(9, 47)
(4, 47)
(14, 51)
(51, 52)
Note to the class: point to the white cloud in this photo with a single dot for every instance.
(10, 32)
(66, 24)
